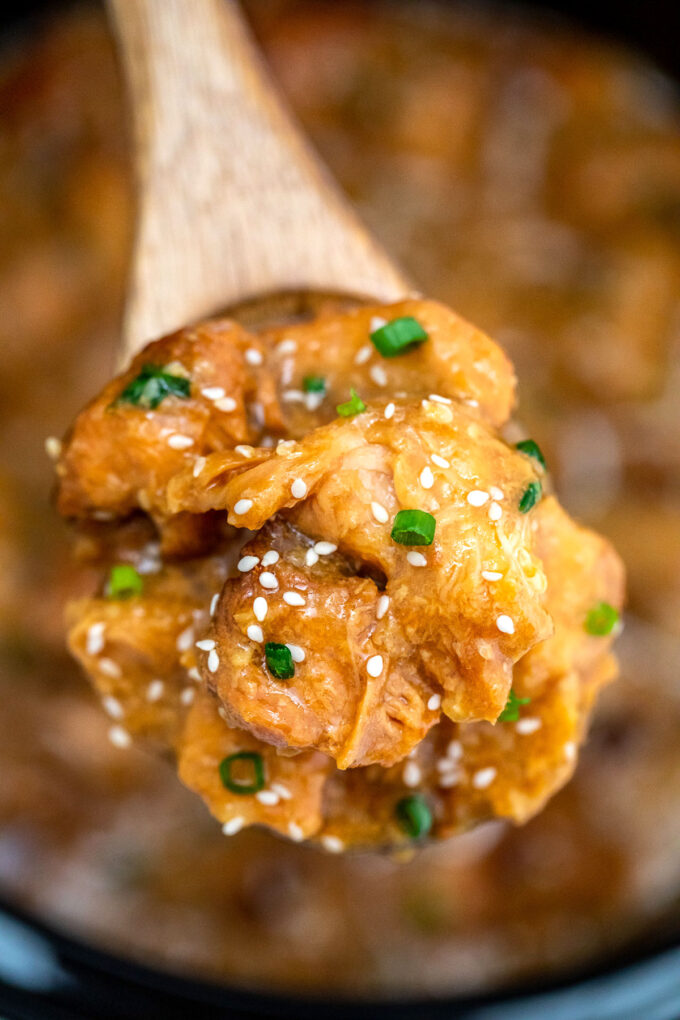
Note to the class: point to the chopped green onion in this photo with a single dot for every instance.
(238, 785)
(314, 384)
(153, 385)
(414, 816)
(354, 405)
(279, 660)
(398, 336)
(601, 619)
(530, 497)
(413, 527)
(511, 711)
(531, 448)
(124, 582)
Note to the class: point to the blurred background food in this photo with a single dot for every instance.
(529, 176)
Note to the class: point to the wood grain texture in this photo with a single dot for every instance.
(232, 201)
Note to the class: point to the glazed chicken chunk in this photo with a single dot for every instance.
(369, 619)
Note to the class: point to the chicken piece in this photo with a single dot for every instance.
(139, 651)
(199, 390)
(443, 621)
(215, 387)
(457, 360)
(283, 793)
(329, 617)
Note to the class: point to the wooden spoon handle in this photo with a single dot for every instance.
(232, 202)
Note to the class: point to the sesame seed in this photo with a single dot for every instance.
(267, 580)
(194, 674)
(446, 765)
(382, 606)
(270, 557)
(94, 641)
(296, 652)
(267, 797)
(154, 691)
(206, 645)
(283, 791)
(435, 702)
(119, 737)
(363, 354)
(484, 778)
(416, 559)
(454, 751)
(412, 774)
(244, 451)
(377, 322)
(333, 844)
(295, 832)
(260, 607)
(226, 404)
(389, 411)
(570, 750)
(374, 666)
(293, 598)
(254, 632)
(109, 668)
(380, 513)
(314, 400)
(440, 461)
(324, 548)
(496, 493)
(113, 707)
(311, 557)
(243, 506)
(253, 356)
(298, 489)
(233, 826)
(179, 442)
(287, 347)
(495, 512)
(213, 603)
(246, 563)
(53, 447)
(293, 396)
(439, 399)
(378, 375)
(213, 661)
(187, 696)
(214, 392)
(528, 725)
(199, 464)
(505, 624)
(185, 640)
(426, 477)
(449, 779)
(477, 497)
(491, 575)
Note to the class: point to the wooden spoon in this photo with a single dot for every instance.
(233, 204)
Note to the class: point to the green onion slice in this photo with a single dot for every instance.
(530, 497)
(398, 336)
(240, 786)
(511, 711)
(354, 405)
(601, 619)
(279, 660)
(124, 582)
(531, 448)
(413, 815)
(413, 527)
(152, 385)
(314, 384)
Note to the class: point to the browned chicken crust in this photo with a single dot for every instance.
(404, 656)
